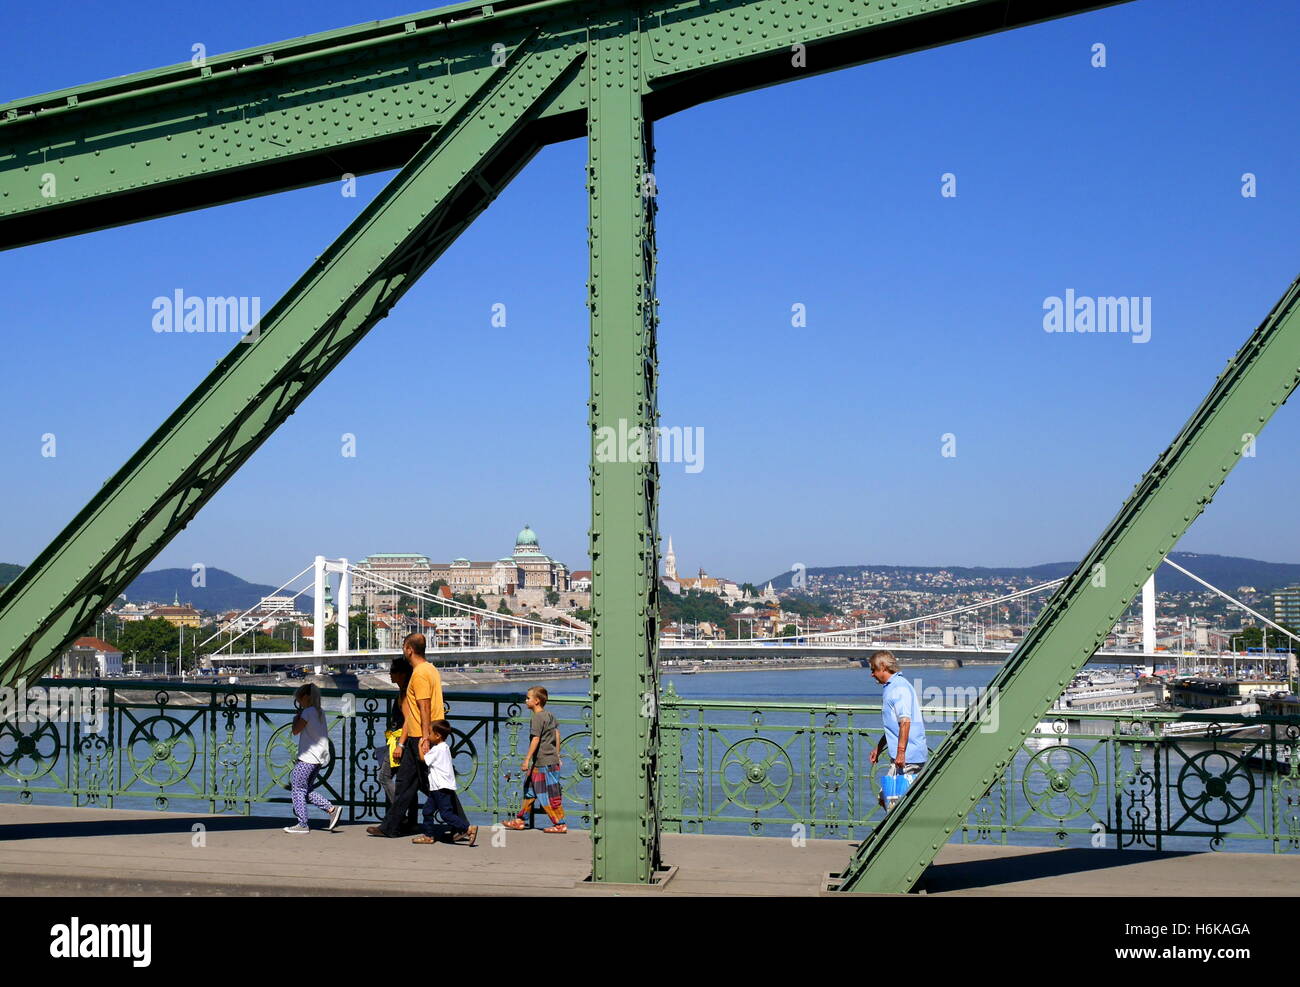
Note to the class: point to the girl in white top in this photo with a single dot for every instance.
(313, 754)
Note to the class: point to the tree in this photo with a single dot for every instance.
(693, 606)
(806, 606)
(1253, 637)
(502, 608)
(789, 630)
(149, 639)
(271, 645)
(552, 597)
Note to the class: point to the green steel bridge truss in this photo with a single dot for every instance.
(460, 99)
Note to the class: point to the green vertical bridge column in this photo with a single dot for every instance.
(624, 475)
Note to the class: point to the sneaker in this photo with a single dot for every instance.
(335, 816)
(296, 829)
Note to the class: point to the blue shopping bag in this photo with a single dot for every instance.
(893, 786)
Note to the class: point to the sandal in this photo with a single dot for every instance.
(556, 829)
(424, 840)
(515, 823)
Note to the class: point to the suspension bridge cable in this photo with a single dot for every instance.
(457, 605)
(222, 630)
(1253, 613)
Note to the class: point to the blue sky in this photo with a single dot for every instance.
(822, 444)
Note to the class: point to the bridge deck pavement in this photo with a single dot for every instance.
(64, 851)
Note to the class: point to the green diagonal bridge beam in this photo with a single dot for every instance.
(268, 374)
(1077, 618)
(365, 98)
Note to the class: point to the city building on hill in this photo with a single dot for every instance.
(270, 613)
(178, 614)
(130, 612)
(1286, 606)
(406, 568)
(89, 657)
(452, 632)
(677, 584)
(527, 575)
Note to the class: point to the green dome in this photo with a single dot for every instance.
(526, 537)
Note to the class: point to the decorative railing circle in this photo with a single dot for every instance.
(1060, 782)
(161, 750)
(29, 751)
(1216, 787)
(756, 774)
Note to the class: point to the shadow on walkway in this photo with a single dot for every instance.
(1024, 867)
(166, 822)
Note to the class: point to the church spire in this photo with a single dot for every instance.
(670, 561)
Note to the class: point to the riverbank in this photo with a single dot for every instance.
(517, 676)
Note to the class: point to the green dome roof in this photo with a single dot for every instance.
(526, 537)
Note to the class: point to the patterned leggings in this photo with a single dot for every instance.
(302, 779)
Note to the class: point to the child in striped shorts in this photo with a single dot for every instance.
(543, 760)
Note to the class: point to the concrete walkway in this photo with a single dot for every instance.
(58, 851)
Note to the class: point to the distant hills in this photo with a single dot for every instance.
(1225, 571)
(223, 590)
(226, 591)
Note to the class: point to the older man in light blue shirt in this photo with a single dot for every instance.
(904, 726)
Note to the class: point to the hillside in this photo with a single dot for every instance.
(1225, 571)
(224, 590)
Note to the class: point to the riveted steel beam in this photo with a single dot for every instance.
(624, 467)
(363, 99)
(268, 374)
(1077, 618)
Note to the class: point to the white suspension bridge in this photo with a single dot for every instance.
(509, 638)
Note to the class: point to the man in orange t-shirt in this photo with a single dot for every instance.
(423, 705)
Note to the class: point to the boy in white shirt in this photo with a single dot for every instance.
(442, 793)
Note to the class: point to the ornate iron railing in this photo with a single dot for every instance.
(228, 748)
(1124, 780)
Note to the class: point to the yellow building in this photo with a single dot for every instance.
(178, 614)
